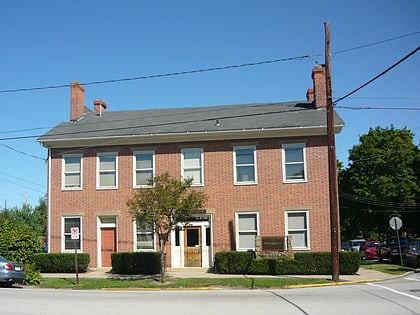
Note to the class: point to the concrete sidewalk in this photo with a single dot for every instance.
(363, 275)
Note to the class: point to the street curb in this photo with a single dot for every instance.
(163, 289)
(331, 284)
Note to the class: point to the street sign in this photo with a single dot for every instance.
(395, 223)
(74, 231)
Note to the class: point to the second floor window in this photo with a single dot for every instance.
(192, 165)
(107, 170)
(294, 166)
(144, 164)
(72, 171)
(245, 167)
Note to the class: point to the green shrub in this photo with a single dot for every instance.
(313, 263)
(145, 263)
(18, 241)
(33, 275)
(60, 262)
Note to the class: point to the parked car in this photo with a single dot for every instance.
(368, 250)
(11, 272)
(354, 245)
(390, 250)
(344, 246)
(412, 254)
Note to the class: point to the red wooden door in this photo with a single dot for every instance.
(108, 241)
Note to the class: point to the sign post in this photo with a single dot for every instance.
(75, 237)
(395, 223)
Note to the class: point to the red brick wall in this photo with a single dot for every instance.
(271, 197)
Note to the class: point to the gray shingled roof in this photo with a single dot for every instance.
(231, 118)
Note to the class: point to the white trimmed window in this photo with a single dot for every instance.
(192, 165)
(107, 170)
(145, 239)
(72, 172)
(245, 165)
(144, 168)
(294, 163)
(247, 227)
(68, 244)
(297, 226)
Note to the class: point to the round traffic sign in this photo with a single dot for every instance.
(395, 223)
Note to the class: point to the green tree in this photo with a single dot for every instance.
(165, 204)
(34, 217)
(381, 181)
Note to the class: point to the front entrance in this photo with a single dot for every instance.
(108, 245)
(192, 246)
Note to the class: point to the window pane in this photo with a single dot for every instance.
(295, 171)
(72, 163)
(247, 222)
(71, 222)
(296, 221)
(294, 155)
(247, 240)
(107, 179)
(299, 239)
(196, 174)
(71, 244)
(245, 174)
(144, 160)
(107, 162)
(244, 156)
(142, 177)
(72, 180)
(192, 159)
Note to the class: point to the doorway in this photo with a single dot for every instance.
(108, 245)
(192, 246)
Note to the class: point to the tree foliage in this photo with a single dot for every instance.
(381, 181)
(165, 204)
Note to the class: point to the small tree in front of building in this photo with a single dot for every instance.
(163, 205)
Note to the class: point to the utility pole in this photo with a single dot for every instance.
(332, 162)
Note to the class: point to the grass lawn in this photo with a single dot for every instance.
(178, 283)
(386, 268)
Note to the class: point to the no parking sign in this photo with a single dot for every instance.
(74, 231)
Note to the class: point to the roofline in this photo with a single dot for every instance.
(190, 136)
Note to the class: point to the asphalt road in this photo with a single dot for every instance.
(397, 296)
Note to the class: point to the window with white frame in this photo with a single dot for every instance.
(68, 223)
(145, 239)
(192, 165)
(297, 228)
(245, 167)
(107, 170)
(144, 168)
(72, 171)
(246, 230)
(294, 164)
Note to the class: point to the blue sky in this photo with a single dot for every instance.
(49, 43)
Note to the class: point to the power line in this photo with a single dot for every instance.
(21, 152)
(378, 76)
(377, 107)
(152, 76)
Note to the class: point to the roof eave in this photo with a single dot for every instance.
(189, 137)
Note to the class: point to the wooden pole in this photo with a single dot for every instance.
(332, 162)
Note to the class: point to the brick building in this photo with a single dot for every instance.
(264, 168)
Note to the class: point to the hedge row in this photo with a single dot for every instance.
(316, 263)
(60, 262)
(145, 263)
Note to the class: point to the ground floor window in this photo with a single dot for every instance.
(247, 229)
(70, 225)
(145, 239)
(297, 228)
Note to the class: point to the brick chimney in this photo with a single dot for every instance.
(77, 102)
(99, 106)
(318, 93)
